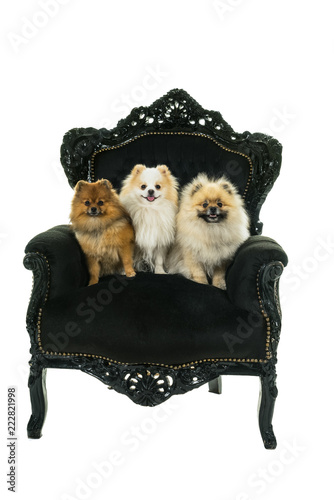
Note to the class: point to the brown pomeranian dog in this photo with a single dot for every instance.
(210, 225)
(103, 229)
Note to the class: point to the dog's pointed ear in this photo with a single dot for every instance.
(163, 169)
(196, 188)
(79, 185)
(137, 169)
(105, 183)
(229, 188)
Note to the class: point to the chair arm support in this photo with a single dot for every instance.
(64, 266)
(242, 275)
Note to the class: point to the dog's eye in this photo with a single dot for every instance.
(205, 205)
(143, 186)
(100, 203)
(87, 203)
(157, 186)
(219, 204)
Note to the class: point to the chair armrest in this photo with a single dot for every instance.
(242, 275)
(65, 262)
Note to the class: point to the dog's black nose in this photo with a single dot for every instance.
(93, 210)
(213, 210)
(150, 192)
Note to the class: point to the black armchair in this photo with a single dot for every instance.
(200, 332)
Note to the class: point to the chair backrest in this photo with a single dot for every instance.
(176, 131)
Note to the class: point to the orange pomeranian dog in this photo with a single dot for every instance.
(103, 229)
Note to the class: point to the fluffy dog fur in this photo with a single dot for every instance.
(103, 229)
(150, 195)
(210, 226)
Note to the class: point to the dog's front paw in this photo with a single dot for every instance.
(93, 281)
(131, 274)
(159, 270)
(200, 279)
(219, 284)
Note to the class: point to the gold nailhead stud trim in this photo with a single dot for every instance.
(118, 146)
(190, 364)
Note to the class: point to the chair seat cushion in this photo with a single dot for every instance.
(152, 319)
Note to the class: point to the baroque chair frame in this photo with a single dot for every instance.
(150, 385)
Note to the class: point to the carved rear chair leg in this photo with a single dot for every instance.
(215, 385)
(268, 394)
(38, 400)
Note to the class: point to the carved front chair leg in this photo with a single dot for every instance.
(215, 385)
(37, 263)
(268, 291)
(38, 400)
(268, 394)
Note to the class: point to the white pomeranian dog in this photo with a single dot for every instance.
(150, 195)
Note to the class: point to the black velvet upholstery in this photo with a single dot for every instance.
(122, 330)
(65, 258)
(185, 155)
(164, 319)
(152, 318)
(241, 276)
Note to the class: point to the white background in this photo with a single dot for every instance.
(267, 66)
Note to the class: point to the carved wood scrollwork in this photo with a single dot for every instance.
(178, 111)
(152, 385)
(268, 287)
(36, 263)
(148, 385)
